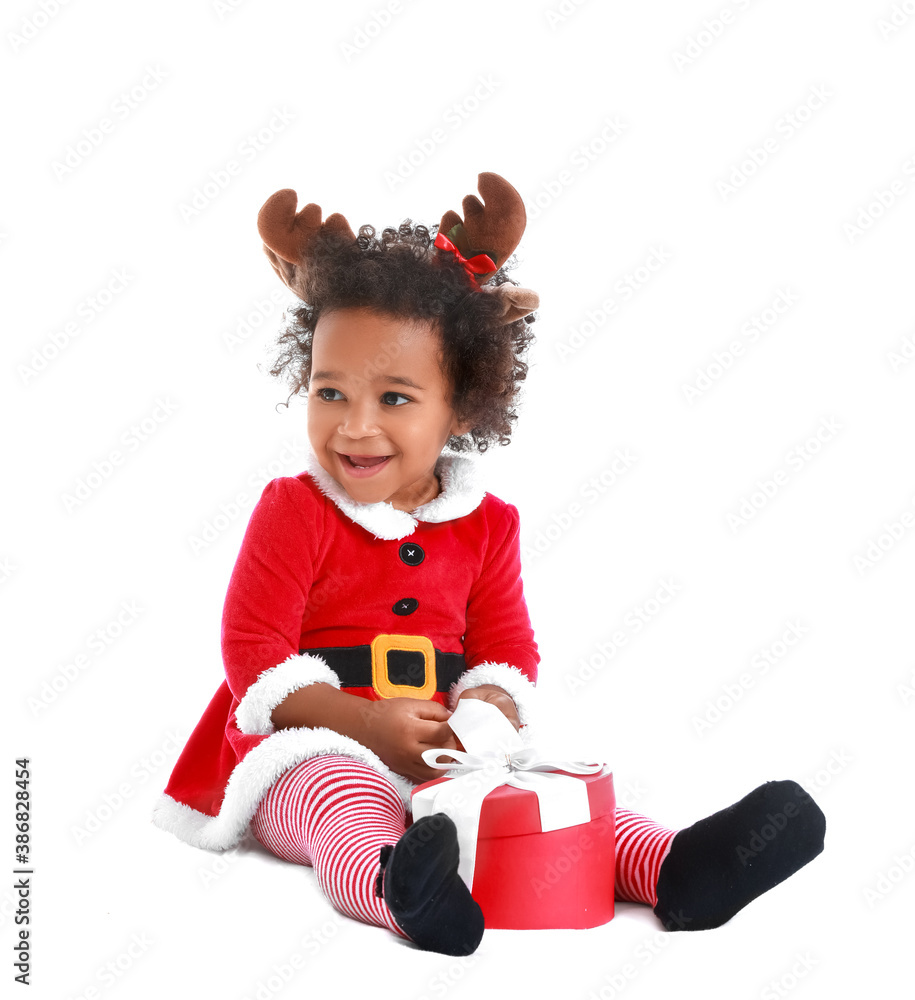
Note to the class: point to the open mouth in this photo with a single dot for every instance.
(364, 463)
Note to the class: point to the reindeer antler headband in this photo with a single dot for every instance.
(482, 241)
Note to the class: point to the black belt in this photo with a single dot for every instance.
(399, 667)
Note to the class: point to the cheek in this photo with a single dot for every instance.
(315, 424)
(429, 433)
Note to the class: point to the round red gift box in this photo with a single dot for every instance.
(526, 879)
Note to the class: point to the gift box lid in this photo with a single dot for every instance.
(514, 812)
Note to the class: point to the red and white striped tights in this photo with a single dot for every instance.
(335, 813)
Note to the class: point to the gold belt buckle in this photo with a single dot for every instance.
(381, 681)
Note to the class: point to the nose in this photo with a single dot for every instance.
(359, 420)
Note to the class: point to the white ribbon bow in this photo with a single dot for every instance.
(494, 754)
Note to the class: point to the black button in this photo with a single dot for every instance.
(411, 553)
(405, 606)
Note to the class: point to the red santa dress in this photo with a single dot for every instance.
(373, 600)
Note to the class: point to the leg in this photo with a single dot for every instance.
(699, 877)
(641, 847)
(336, 814)
(428, 898)
(718, 865)
(348, 821)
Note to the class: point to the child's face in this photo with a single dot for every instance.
(379, 406)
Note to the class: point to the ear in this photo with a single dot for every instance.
(460, 427)
(516, 302)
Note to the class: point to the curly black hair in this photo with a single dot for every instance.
(402, 275)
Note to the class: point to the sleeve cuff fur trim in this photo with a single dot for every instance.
(251, 780)
(510, 679)
(271, 688)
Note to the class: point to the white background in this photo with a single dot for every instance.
(689, 92)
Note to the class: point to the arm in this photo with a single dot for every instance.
(499, 643)
(265, 604)
(397, 729)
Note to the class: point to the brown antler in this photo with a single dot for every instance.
(493, 227)
(288, 236)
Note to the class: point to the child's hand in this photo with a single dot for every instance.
(400, 729)
(498, 697)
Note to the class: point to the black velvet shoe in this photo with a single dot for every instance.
(426, 896)
(718, 865)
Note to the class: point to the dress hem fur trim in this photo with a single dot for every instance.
(251, 780)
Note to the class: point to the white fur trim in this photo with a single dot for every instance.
(461, 490)
(509, 678)
(461, 493)
(273, 685)
(253, 777)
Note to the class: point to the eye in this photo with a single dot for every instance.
(327, 394)
(394, 398)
